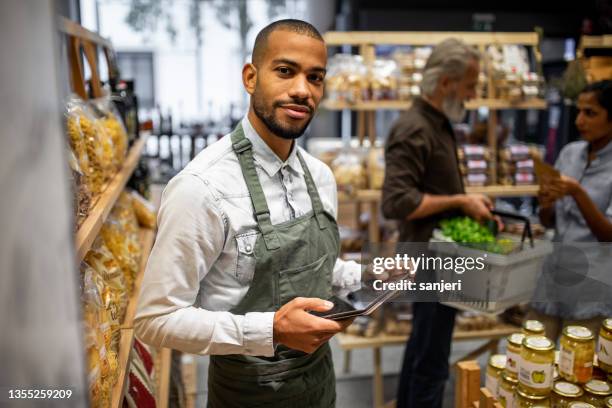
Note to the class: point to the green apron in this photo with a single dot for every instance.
(294, 258)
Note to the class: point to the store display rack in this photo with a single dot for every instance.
(348, 342)
(366, 41)
(84, 45)
(89, 229)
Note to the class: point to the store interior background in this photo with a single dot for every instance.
(188, 79)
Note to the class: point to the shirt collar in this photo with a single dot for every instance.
(265, 157)
(434, 114)
(604, 154)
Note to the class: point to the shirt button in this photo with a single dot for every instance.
(248, 248)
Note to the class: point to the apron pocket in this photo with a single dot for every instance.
(305, 281)
(245, 261)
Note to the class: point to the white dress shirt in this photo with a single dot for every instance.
(202, 262)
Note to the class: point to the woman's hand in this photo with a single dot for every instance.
(564, 186)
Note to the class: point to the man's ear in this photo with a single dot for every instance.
(445, 84)
(249, 77)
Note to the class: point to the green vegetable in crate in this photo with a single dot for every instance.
(466, 230)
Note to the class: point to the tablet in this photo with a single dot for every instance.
(355, 304)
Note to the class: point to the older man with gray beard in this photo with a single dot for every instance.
(422, 186)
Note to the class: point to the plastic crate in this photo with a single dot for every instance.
(508, 279)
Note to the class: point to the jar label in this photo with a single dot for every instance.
(512, 361)
(505, 398)
(536, 375)
(491, 383)
(604, 350)
(566, 362)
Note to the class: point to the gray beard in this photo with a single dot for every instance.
(454, 109)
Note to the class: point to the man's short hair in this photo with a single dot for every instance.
(295, 26)
(603, 93)
(451, 58)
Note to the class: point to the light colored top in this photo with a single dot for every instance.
(201, 265)
(577, 283)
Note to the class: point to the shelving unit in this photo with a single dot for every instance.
(89, 229)
(83, 46)
(348, 342)
(366, 42)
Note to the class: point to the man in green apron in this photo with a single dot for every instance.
(248, 243)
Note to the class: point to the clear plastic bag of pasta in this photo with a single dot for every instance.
(144, 210)
(102, 365)
(113, 290)
(119, 243)
(81, 146)
(85, 132)
(80, 189)
(111, 121)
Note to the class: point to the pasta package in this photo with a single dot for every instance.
(101, 366)
(113, 125)
(118, 243)
(144, 210)
(112, 286)
(81, 193)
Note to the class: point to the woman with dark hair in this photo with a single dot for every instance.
(579, 206)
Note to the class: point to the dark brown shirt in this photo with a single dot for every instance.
(420, 157)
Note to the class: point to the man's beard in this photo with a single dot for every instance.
(453, 108)
(268, 118)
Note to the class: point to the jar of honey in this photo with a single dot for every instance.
(505, 391)
(564, 392)
(608, 402)
(596, 392)
(495, 367)
(533, 328)
(536, 365)
(604, 349)
(580, 404)
(576, 354)
(513, 353)
(524, 399)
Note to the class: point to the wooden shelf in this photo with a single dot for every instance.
(505, 191)
(126, 341)
(494, 104)
(333, 38)
(491, 191)
(163, 363)
(89, 229)
(123, 359)
(351, 341)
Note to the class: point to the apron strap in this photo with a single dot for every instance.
(244, 150)
(317, 206)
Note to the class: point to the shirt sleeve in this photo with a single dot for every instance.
(190, 238)
(406, 154)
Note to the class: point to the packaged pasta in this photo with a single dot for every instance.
(349, 171)
(144, 210)
(80, 189)
(112, 286)
(101, 366)
(110, 120)
(118, 243)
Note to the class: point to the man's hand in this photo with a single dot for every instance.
(297, 329)
(477, 206)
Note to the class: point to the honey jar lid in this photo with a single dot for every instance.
(538, 343)
(516, 339)
(533, 326)
(498, 361)
(567, 389)
(598, 387)
(580, 404)
(527, 395)
(509, 378)
(609, 402)
(579, 333)
(608, 324)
